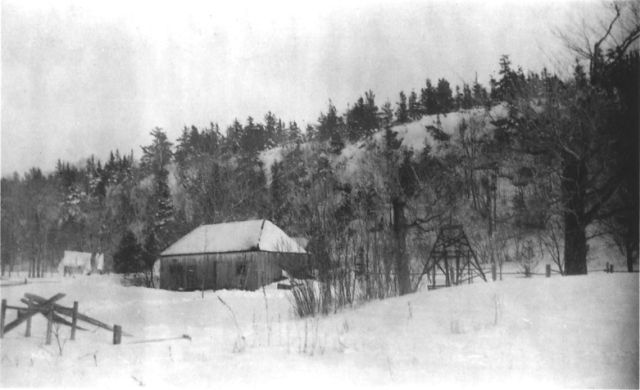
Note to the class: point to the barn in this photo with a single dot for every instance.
(235, 255)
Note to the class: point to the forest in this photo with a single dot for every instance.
(539, 161)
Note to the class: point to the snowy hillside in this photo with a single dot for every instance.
(579, 331)
(413, 135)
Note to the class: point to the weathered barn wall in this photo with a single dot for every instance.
(238, 270)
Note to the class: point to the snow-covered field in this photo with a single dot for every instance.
(563, 332)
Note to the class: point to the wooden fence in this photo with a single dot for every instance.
(54, 313)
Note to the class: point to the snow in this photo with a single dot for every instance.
(249, 235)
(414, 134)
(579, 331)
(268, 158)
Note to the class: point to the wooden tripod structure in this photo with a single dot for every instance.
(453, 256)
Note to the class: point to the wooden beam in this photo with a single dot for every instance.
(49, 326)
(35, 310)
(3, 314)
(64, 321)
(74, 320)
(69, 312)
(18, 308)
(27, 332)
(117, 334)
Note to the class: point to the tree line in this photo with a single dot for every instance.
(567, 147)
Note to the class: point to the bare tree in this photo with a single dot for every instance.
(584, 124)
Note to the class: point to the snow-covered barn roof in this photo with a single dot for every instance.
(244, 236)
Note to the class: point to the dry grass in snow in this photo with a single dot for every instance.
(564, 332)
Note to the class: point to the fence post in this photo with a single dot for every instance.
(433, 276)
(74, 320)
(117, 334)
(493, 271)
(548, 270)
(49, 325)
(27, 332)
(3, 313)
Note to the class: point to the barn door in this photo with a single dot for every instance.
(176, 275)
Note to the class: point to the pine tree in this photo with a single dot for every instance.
(362, 118)
(444, 98)
(128, 256)
(428, 99)
(415, 111)
(155, 159)
(274, 134)
(387, 114)
(480, 95)
(294, 134)
(467, 97)
(402, 112)
(328, 124)
(255, 137)
(234, 134)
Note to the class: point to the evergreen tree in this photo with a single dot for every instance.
(387, 114)
(428, 99)
(328, 124)
(234, 134)
(466, 101)
(158, 155)
(155, 160)
(480, 95)
(415, 111)
(255, 137)
(457, 99)
(274, 131)
(362, 118)
(444, 98)
(294, 134)
(128, 257)
(402, 112)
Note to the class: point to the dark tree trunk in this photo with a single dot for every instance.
(402, 260)
(631, 250)
(575, 245)
(575, 238)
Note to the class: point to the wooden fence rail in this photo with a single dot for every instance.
(54, 313)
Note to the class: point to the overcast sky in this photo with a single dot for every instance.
(82, 78)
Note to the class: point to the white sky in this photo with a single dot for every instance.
(82, 78)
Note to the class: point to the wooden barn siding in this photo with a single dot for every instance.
(219, 270)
